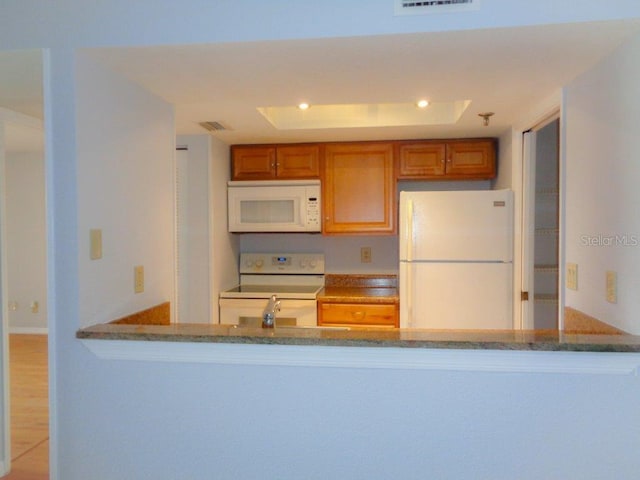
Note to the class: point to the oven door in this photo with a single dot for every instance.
(248, 311)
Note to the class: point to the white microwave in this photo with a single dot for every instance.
(274, 206)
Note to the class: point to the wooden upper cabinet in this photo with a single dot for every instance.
(251, 162)
(359, 194)
(450, 160)
(475, 159)
(422, 159)
(298, 161)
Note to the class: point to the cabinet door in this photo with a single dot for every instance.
(253, 163)
(475, 159)
(421, 160)
(358, 315)
(298, 161)
(359, 189)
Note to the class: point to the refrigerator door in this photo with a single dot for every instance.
(456, 226)
(456, 295)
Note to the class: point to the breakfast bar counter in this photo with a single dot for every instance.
(532, 340)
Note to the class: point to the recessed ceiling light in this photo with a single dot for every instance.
(303, 106)
(422, 103)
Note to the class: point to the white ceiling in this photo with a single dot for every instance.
(501, 70)
(506, 71)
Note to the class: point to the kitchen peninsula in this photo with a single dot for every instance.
(531, 340)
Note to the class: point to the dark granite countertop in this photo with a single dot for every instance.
(404, 338)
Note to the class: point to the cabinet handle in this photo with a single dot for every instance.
(358, 315)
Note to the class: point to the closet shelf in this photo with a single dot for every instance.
(546, 231)
(547, 191)
(545, 268)
(548, 298)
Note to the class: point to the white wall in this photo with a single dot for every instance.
(225, 247)
(212, 257)
(124, 419)
(193, 262)
(26, 245)
(504, 177)
(125, 155)
(602, 196)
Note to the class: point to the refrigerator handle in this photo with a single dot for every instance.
(408, 234)
(408, 296)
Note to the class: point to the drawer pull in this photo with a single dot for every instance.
(359, 315)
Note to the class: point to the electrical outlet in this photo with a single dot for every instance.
(35, 306)
(612, 287)
(365, 255)
(572, 276)
(138, 279)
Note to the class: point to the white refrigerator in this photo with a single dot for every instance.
(456, 260)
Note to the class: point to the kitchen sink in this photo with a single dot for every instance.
(282, 323)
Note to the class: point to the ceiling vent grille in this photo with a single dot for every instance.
(213, 126)
(420, 7)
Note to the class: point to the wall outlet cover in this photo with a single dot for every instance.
(365, 255)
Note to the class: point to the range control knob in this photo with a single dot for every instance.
(259, 263)
(248, 263)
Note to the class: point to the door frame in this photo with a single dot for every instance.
(5, 460)
(529, 159)
(547, 109)
(11, 117)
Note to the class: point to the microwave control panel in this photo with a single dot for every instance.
(313, 211)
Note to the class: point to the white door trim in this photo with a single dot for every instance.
(529, 156)
(528, 224)
(5, 461)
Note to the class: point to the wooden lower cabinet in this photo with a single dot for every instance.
(366, 315)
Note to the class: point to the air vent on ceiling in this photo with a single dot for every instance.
(419, 7)
(214, 126)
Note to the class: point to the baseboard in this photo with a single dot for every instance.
(29, 330)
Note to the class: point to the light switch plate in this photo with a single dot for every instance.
(138, 279)
(572, 276)
(95, 241)
(612, 287)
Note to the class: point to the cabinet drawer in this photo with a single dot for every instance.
(358, 314)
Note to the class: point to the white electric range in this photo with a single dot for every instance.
(294, 278)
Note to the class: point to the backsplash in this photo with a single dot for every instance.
(342, 254)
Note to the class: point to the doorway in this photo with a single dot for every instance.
(23, 285)
(541, 247)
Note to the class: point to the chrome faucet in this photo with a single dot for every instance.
(269, 313)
